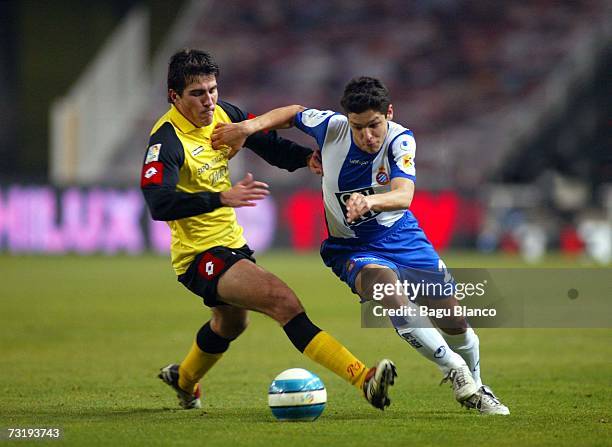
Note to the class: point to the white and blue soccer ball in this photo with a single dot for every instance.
(297, 395)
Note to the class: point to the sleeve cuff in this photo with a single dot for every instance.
(404, 175)
(215, 200)
(211, 200)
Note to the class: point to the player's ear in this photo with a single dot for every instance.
(389, 115)
(172, 95)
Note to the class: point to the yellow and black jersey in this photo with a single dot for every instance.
(183, 176)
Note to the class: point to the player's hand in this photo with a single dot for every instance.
(315, 164)
(232, 135)
(244, 193)
(356, 206)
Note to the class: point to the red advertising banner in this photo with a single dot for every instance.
(43, 219)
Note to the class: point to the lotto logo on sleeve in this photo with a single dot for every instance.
(210, 266)
(152, 174)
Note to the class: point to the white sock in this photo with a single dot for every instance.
(425, 338)
(467, 345)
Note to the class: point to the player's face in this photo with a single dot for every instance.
(369, 129)
(198, 101)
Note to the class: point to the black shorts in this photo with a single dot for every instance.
(202, 275)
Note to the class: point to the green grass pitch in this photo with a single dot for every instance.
(82, 339)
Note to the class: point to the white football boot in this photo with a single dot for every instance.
(462, 382)
(486, 402)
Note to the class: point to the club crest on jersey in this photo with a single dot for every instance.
(382, 177)
(153, 153)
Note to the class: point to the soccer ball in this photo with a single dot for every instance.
(297, 395)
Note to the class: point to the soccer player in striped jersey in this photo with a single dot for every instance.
(368, 164)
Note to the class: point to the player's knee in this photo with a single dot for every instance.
(452, 326)
(284, 304)
(230, 328)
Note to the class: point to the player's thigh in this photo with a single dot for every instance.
(229, 321)
(347, 264)
(370, 276)
(380, 282)
(249, 286)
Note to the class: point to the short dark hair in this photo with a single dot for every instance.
(186, 65)
(365, 93)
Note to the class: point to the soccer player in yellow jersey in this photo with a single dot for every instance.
(186, 183)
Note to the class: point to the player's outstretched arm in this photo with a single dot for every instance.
(275, 150)
(244, 193)
(234, 135)
(399, 198)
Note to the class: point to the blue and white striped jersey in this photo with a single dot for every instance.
(348, 169)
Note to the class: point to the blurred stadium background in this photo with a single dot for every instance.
(509, 103)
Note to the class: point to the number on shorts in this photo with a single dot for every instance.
(442, 268)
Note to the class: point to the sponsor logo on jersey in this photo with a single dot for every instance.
(217, 175)
(355, 161)
(218, 159)
(152, 174)
(205, 167)
(197, 150)
(153, 153)
(382, 177)
(343, 197)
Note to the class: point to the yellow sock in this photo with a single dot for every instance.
(327, 351)
(194, 366)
